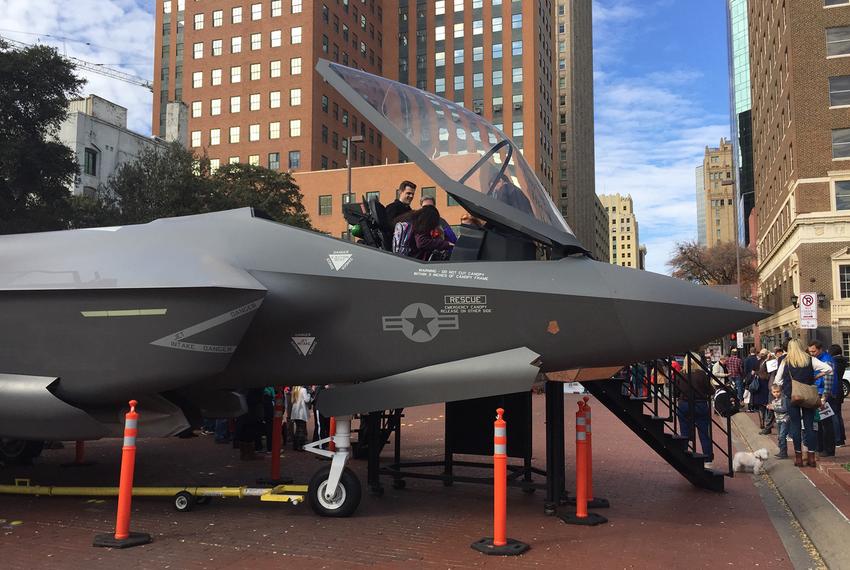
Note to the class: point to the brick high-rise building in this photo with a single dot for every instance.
(715, 196)
(800, 77)
(246, 71)
(575, 177)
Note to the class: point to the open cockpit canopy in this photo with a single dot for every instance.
(476, 163)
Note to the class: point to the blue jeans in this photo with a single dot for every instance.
(222, 433)
(807, 416)
(782, 442)
(739, 386)
(702, 420)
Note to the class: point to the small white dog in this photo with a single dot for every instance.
(746, 462)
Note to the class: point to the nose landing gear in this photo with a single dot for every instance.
(334, 491)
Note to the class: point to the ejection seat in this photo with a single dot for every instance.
(370, 217)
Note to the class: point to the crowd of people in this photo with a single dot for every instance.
(795, 389)
(252, 432)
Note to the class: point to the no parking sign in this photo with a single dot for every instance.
(808, 310)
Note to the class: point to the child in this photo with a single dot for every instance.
(298, 414)
(779, 406)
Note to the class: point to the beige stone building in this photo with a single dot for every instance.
(800, 76)
(624, 247)
(600, 248)
(717, 191)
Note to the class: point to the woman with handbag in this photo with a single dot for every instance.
(801, 371)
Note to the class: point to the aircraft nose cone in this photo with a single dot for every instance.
(659, 313)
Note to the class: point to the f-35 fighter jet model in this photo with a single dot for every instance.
(179, 313)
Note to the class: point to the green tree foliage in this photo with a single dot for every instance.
(171, 181)
(714, 265)
(36, 85)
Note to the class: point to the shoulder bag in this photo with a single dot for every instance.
(803, 395)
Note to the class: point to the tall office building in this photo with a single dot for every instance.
(800, 76)
(625, 248)
(493, 56)
(576, 186)
(741, 114)
(716, 210)
(246, 71)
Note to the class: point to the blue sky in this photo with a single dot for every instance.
(660, 81)
(661, 93)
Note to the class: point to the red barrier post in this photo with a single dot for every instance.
(582, 516)
(332, 430)
(123, 538)
(277, 436)
(79, 456)
(500, 544)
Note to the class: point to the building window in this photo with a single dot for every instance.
(839, 91)
(256, 41)
(274, 99)
(477, 27)
(275, 38)
(838, 41)
(440, 59)
(215, 164)
(478, 53)
(217, 17)
(374, 194)
(234, 135)
(517, 128)
(516, 21)
(477, 80)
(274, 160)
(295, 66)
(458, 30)
(439, 33)
(429, 192)
(294, 97)
(440, 7)
(497, 52)
(254, 102)
(842, 195)
(458, 56)
(215, 78)
(274, 130)
(276, 8)
(253, 133)
(235, 104)
(440, 85)
(295, 35)
(516, 47)
(516, 74)
(843, 280)
(196, 142)
(199, 21)
(256, 72)
(198, 50)
(215, 107)
(325, 205)
(217, 48)
(296, 6)
(198, 79)
(458, 82)
(295, 127)
(197, 109)
(256, 11)
(840, 143)
(254, 159)
(215, 137)
(325, 103)
(294, 159)
(323, 162)
(236, 15)
(274, 68)
(497, 24)
(236, 44)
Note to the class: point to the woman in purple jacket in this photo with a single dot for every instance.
(427, 235)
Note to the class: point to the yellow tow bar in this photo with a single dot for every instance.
(183, 496)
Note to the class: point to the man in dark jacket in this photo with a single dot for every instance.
(401, 205)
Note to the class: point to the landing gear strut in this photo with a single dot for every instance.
(334, 491)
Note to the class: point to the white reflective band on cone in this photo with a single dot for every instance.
(129, 441)
(581, 436)
(131, 424)
(500, 432)
(500, 449)
(581, 421)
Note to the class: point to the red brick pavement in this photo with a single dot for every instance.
(658, 519)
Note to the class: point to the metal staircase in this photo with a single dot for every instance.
(648, 407)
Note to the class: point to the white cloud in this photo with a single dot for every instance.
(651, 133)
(115, 33)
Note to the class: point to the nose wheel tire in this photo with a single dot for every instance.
(184, 501)
(343, 503)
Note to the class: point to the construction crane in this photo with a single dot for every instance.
(94, 67)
